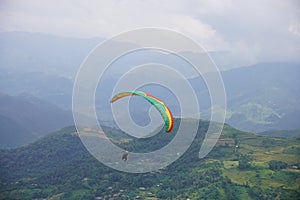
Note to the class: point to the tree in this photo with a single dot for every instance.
(245, 162)
(277, 165)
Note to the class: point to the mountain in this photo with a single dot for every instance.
(26, 118)
(13, 134)
(260, 97)
(51, 88)
(42, 65)
(241, 166)
(263, 97)
(282, 133)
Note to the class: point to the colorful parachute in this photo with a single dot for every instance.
(158, 104)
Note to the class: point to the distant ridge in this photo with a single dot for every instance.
(26, 118)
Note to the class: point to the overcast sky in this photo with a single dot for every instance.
(253, 31)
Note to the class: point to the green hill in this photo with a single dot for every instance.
(241, 166)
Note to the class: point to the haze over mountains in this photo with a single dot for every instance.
(51, 146)
(37, 52)
(38, 71)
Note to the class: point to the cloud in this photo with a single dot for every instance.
(251, 31)
(258, 31)
(102, 18)
(294, 28)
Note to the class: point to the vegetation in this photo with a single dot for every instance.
(277, 165)
(59, 167)
(245, 162)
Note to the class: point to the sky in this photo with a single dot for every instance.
(249, 31)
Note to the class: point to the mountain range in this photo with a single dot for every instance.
(259, 97)
(37, 73)
(263, 96)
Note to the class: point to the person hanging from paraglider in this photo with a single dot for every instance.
(157, 103)
(124, 156)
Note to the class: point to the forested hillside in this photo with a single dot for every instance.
(241, 166)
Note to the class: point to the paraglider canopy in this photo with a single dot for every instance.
(157, 103)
